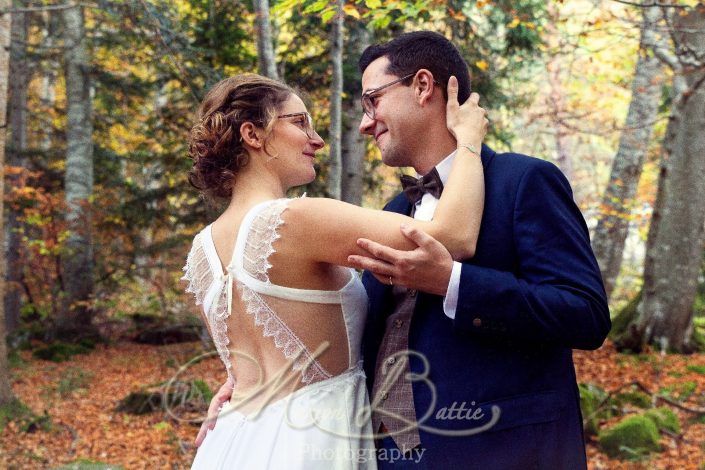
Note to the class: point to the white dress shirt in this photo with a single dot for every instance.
(424, 211)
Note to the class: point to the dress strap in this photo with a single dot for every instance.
(250, 265)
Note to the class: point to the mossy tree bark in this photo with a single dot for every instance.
(677, 232)
(353, 145)
(6, 395)
(618, 199)
(77, 263)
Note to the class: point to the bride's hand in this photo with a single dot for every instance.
(467, 122)
(223, 395)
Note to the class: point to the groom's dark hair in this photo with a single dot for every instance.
(410, 52)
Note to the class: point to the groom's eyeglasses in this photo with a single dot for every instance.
(304, 121)
(369, 98)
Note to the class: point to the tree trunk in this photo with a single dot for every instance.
(75, 317)
(336, 101)
(556, 98)
(557, 106)
(19, 73)
(677, 231)
(353, 143)
(47, 93)
(618, 199)
(265, 50)
(6, 395)
(353, 156)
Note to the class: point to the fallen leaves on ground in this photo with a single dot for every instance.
(85, 425)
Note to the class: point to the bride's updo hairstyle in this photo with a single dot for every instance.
(214, 142)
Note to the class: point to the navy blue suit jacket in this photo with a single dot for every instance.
(531, 293)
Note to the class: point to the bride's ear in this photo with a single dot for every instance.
(250, 135)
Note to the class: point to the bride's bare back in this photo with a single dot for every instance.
(286, 326)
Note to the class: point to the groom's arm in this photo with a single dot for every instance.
(556, 295)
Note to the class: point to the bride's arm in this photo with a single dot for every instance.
(327, 230)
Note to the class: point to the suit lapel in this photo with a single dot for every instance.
(377, 292)
(486, 155)
(400, 204)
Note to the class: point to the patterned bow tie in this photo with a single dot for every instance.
(415, 188)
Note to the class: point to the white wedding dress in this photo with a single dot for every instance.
(324, 423)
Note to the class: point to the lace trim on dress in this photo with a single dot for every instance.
(217, 316)
(284, 339)
(259, 246)
(199, 275)
(197, 271)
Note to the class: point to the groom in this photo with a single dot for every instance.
(476, 354)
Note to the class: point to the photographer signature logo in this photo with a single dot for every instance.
(326, 414)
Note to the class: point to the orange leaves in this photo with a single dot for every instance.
(85, 425)
(611, 370)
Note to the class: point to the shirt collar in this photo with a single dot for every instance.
(444, 167)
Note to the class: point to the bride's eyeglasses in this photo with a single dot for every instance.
(303, 121)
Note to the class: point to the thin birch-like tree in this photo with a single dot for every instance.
(75, 317)
(335, 166)
(265, 49)
(6, 395)
(17, 120)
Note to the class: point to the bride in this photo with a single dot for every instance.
(285, 313)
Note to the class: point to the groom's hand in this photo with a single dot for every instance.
(426, 268)
(223, 395)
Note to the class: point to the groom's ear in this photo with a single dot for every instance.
(424, 86)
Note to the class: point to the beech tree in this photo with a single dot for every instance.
(6, 395)
(353, 143)
(618, 199)
(17, 146)
(336, 101)
(664, 316)
(77, 263)
(265, 49)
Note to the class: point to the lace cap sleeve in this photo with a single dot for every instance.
(197, 271)
(262, 232)
(259, 232)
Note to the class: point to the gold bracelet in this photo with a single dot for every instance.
(471, 148)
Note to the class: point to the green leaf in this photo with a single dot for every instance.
(286, 5)
(328, 14)
(382, 22)
(316, 6)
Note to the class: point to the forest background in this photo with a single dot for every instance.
(98, 98)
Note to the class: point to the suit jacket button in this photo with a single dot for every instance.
(477, 323)
(398, 323)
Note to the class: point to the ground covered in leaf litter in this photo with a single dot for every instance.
(80, 396)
